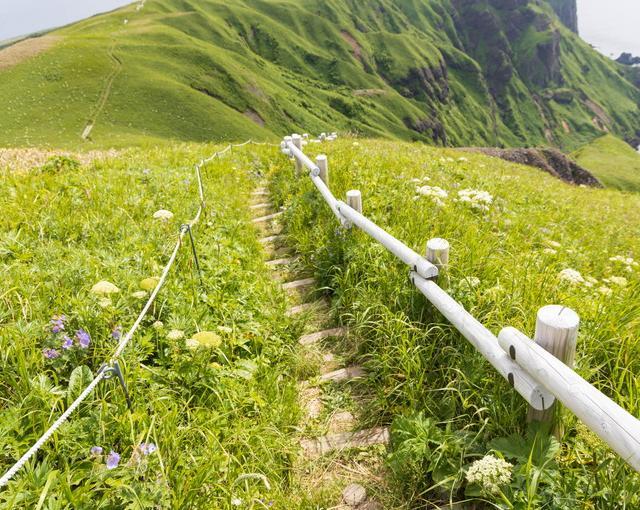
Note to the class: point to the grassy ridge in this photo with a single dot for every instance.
(510, 256)
(214, 414)
(219, 70)
(613, 161)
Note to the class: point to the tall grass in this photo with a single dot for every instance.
(215, 414)
(447, 406)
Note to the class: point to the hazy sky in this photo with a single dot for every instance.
(19, 17)
(611, 25)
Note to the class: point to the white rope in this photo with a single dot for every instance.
(129, 335)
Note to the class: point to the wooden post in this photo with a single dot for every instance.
(297, 141)
(438, 252)
(557, 333)
(323, 165)
(354, 200)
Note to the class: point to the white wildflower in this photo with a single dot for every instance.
(236, 501)
(163, 215)
(478, 199)
(550, 251)
(225, 329)
(105, 302)
(490, 473)
(435, 192)
(552, 244)
(192, 343)
(158, 325)
(605, 291)
(462, 160)
(140, 294)
(175, 334)
(617, 280)
(590, 281)
(571, 276)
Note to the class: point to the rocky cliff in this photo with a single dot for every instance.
(567, 11)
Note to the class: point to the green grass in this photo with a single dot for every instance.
(446, 404)
(196, 71)
(612, 161)
(215, 414)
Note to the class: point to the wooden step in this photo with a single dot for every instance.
(305, 307)
(259, 192)
(260, 206)
(268, 217)
(313, 338)
(299, 284)
(272, 239)
(342, 441)
(281, 262)
(344, 374)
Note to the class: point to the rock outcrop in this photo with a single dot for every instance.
(551, 161)
(567, 11)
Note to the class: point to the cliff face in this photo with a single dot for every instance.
(567, 11)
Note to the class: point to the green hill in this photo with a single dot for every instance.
(613, 161)
(488, 72)
(223, 416)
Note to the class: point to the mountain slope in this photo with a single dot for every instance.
(613, 161)
(463, 73)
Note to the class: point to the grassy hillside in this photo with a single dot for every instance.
(447, 405)
(613, 161)
(416, 70)
(216, 414)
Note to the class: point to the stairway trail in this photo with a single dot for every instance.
(326, 434)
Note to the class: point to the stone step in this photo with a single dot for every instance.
(259, 192)
(299, 284)
(281, 262)
(322, 445)
(313, 338)
(268, 217)
(260, 206)
(272, 239)
(344, 374)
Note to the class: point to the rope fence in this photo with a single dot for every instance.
(539, 370)
(103, 372)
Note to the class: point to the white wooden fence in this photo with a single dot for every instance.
(531, 367)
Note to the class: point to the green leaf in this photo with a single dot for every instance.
(78, 381)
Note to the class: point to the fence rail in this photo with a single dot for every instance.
(536, 374)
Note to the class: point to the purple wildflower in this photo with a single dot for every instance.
(148, 448)
(57, 323)
(96, 450)
(116, 333)
(113, 459)
(50, 353)
(67, 343)
(83, 338)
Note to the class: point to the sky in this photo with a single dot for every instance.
(613, 26)
(20, 17)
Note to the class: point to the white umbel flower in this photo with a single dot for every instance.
(163, 215)
(476, 198)
(490, 473)
(175, 334)
(621, 281)
(571, 276)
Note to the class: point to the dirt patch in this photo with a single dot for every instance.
(601, 120)
(550, 160)
(23, 160)
(369, 92)
(255, 117)
(355, 47)
(566, 127)
(23, 50)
